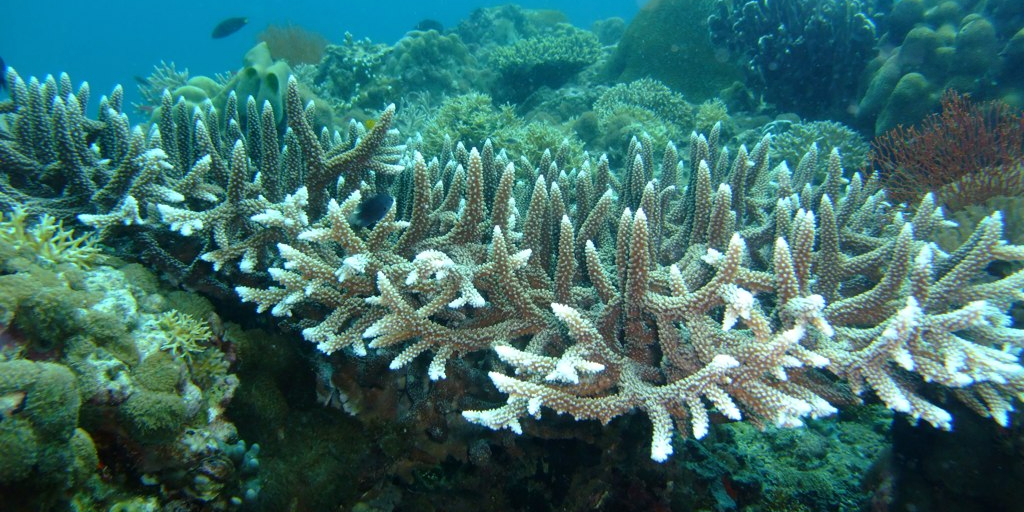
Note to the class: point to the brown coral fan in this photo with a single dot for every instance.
(293, 43)
(966, 155)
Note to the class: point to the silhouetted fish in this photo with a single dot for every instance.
(3, 74)
(429, 24)
(228, 27)
(141, 80)
(371, 210)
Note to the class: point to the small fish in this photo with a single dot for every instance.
(228, 27)
(429, 24)
(371, 210)
(3, 74)
(141, 80)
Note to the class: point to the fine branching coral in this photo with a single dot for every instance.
(183, 334)
(549, 60)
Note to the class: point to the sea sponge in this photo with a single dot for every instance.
(261, 77)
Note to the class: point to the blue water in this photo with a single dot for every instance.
(109, 42)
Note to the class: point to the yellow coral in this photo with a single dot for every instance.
(183, 332)
(47, 239)
(711, 112)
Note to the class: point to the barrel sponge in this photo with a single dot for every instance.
(260, 77)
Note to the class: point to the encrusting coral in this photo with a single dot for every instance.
(753, 292)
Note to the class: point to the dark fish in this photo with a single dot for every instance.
(141, 80)
(429, 24)
(3, 74)
(228, 27)
(371, 210)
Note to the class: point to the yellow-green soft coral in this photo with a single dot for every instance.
(47, 239)
(184, 334)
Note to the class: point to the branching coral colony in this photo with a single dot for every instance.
(750, 292)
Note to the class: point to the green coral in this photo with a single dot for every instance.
(38, 420)
(710, 113)
(642, 106)
(549, 60)
(431, 64)
(153, 416)
(646, 94)
(791, 145)
(668, 40)
(159, 372)
(532, 139)
(972, 47)
(469, 118)
(349, 68)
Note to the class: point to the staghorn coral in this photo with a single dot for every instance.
(739, 299)
(324, 163)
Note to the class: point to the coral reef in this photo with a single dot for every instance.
(84, 382)
(578, 254)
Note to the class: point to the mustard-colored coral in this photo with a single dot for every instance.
(48, 239)
(184, 334)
